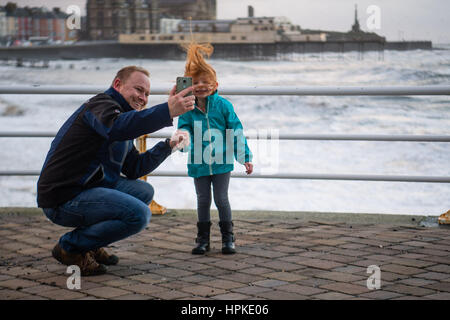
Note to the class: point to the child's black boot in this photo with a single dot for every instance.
(226, 228)
(202, 240)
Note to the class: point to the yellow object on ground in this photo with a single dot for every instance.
(444, 218)
(156, 208)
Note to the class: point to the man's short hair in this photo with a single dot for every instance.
(124, 73)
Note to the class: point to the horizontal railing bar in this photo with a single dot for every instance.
(249, 90)
(295, 176)
(268, 136)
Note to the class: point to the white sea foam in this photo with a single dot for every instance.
(289, 114)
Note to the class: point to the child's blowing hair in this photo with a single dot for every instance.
(195, 61)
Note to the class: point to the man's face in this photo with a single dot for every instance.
(135, 90)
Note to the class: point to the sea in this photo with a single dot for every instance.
(410, 115)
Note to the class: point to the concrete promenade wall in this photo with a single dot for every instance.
(238, 51)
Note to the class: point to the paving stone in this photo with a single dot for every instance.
(256, 270)
(223, 284)
(144, 288)
(18, 271)
(340, 276)
(439, 296)
(333, 296)
(231, 265)
(380, 295)
(314, 282)
(441, 268)
(203, 291)
(401, 269)
(352, 270)
(410, 290)
(352, 245)
(176, 284)
(269, 283)
(15, 283)
(281, 265)
(285, 276)
(321, 264)
(412, 262)
(170, 294)
(329, 242)
(251, 290)
(214, 271)
(230, 296)
(433, 275)
(336, 258)
(281, 295)
(419, 282)
(118, 283)
(303, 290)
(351, 253)
(242, 277)
(8, 294)
(37, 289)
(106, 292)
(380, 257)
(173, 272)
(347, 288)
(132, 297)
(62, 294)
(439, 286)
(392, 277)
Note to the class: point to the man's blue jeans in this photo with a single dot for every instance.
(102, 215)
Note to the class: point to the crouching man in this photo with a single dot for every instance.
(81, 185)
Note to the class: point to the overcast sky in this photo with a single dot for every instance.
(399, 19)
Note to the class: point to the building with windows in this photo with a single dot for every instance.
(3, 24)
(241, 30)
(106, 19)
(20, 25)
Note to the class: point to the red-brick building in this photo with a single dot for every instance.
(23, 24)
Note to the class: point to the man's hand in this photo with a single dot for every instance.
(178, 103)
(248, 167)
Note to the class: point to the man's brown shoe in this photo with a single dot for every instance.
(65, 257)
(86, 262)
(101, 256)
(90, 267)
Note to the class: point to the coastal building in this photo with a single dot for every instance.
(3, 23)
(106, 19)
(21, 25)
(50, 24)
(241, 30)
(12, 25)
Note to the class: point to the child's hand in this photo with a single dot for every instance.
(248, 167)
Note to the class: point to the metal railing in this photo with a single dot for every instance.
(266, 90)
(286, 136)
(300, 91)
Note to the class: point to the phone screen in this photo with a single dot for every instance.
(183, 83)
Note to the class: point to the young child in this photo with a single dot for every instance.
(216, 138)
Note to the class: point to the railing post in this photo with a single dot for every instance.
(142, 147)
(155, 207)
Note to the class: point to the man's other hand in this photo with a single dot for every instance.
(178, 103)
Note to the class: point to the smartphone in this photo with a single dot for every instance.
(183, 83)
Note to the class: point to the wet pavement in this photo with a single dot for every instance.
(280, 257)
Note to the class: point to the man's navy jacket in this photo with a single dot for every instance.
(95, 145)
